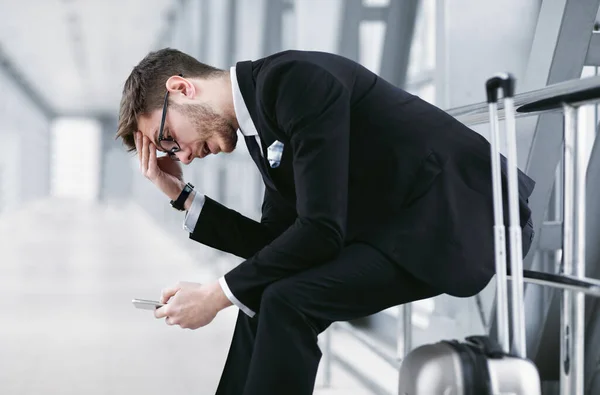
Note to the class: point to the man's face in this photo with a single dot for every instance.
(197, 128)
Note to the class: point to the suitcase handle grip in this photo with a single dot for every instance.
(504, 81)
(489, 347)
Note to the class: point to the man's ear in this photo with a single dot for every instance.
(181, 85)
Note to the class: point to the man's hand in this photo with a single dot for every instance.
(191, 305)
(164, 172)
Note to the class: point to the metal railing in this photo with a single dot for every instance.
(566, 97)
(581, 91)
(563, 281)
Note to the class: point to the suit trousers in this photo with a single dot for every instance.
(276, 351)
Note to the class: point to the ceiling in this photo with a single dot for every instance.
(77, 53)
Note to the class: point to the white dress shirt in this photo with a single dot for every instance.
(247, 128)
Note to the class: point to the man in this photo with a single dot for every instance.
(373, 198)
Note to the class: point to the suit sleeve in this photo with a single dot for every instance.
(229, 231)
(313, 109)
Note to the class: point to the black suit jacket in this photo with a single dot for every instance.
(363, 161)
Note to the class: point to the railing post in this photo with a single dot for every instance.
(580, 170)
(404, 327)
(566, 329)
(327, 357)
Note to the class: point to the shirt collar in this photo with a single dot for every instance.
(242, 114)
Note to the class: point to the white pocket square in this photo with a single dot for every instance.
(274, 153)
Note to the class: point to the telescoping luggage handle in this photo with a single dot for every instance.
(506, 83)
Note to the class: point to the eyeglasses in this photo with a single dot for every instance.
(167, 144)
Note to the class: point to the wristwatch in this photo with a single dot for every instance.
(177, 204)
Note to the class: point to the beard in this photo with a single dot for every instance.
(210, 124)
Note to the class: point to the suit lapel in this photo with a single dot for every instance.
(246, 77)
(254, 151)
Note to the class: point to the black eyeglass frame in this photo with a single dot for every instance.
(161, 136)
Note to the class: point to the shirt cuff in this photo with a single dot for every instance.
(233, 299)
(191, 217)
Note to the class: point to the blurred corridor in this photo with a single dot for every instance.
(69, 327)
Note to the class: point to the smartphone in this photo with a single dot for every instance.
(147, 304)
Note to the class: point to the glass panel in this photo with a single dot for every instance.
(422, 56)
(376, 3)
(371, 38)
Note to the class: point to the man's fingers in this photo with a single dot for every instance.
(145, 144)
(167, 293)
(161, 312)
(138, 146)
(152, 161)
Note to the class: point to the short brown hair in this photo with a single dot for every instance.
(144, 90)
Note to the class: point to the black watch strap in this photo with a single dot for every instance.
(178, 203)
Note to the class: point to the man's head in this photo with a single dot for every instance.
(195, 100)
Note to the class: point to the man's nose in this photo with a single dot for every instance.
(185, 156)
